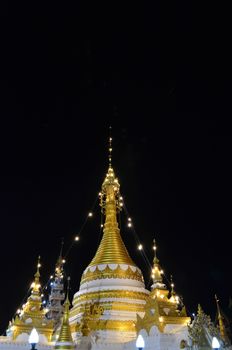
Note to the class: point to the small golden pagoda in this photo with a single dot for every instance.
(112, 288)
(161, 308)
(32, 314)
(65, 341)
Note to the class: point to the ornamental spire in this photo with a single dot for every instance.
(157, 272)
(112, 249)
(220, 321)
(173, 293)
(65, 340)
(36, 284)
(33, 310)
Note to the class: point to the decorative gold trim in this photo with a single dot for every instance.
(112, 325)
(109, 273)
(109, 294)
(116, 306)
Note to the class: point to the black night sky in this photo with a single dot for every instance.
(159, 75)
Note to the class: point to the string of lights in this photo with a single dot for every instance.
(77, 237)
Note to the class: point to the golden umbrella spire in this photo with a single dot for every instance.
(65, 340)
(111, 249)
(36, 284)
(157, 272)
(173, 293)
(220, 321)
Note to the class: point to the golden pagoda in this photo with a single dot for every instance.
(32, 314)
(65, 341)
(161, 308)
(112, 288)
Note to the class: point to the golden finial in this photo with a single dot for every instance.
(172, 287)
(155, 248)
(38, 266)
(36, 284)
(110, 147)
(112, 249)
(220, 321)
(156, 269)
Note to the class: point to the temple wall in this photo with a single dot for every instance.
(6, 344)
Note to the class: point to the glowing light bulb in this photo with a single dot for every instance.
(77, 238)
(18, 311)
(63, 261)
(215, 343)
(154, 247)
(140, 342)
(129, 224)
(162, 271)
(140, 247)
(129, 219)
(161, 319)
(90, 214)
(34, 337)
(99, 193)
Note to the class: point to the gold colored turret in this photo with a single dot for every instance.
(32, 314)
(65, 340)
(157, 272)
(222, 329)
(160, 309)
(111, 249)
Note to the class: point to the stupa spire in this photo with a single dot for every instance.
(110, 146)
(111, 249)
(173, 293)
(36, 284)
(220, 321)
(157, 272)
(65, 340)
